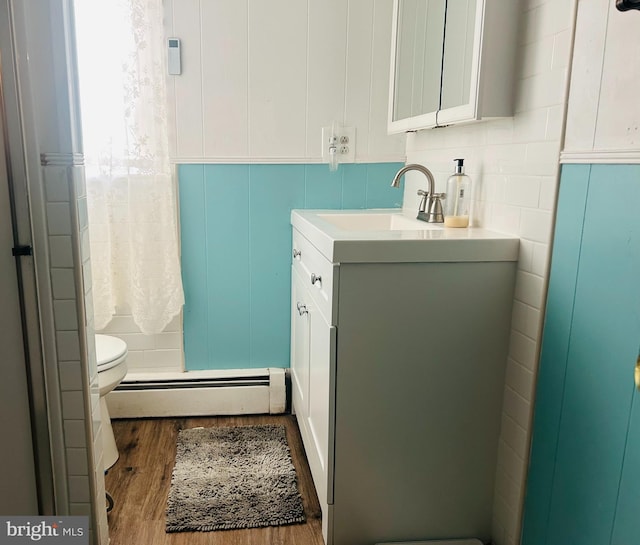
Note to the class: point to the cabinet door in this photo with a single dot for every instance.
(299, 344)
(460, 61)
(322, 352)
(457, 57)
(313, 349)
(418, 37)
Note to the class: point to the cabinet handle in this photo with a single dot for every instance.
(315, 279)
(637, 373)
(296, 253)
(302, 309)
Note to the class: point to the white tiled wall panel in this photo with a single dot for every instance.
(45, 65)
(58, 218)
(261, 79)
(61, 253)
(514, 165)
(75, 349)
(160, 352)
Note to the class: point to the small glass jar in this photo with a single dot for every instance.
(458, 201)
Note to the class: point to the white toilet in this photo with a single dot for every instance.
(111, 354)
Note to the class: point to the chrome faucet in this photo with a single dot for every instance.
(430, 208)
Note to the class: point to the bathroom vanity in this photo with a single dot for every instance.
(399, 333)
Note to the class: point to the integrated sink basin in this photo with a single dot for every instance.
(376, 221)
(389, 236)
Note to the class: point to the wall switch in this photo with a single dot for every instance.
(173, 57)
(344, 144)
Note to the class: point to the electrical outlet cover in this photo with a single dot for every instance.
(347, 153)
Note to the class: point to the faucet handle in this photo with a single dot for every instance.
(436, 214)
(423, 193)
(423, 202)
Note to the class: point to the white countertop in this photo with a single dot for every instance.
(420, 242)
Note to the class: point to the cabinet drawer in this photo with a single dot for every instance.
(318, 274)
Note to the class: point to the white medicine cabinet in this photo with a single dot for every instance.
(452, 62)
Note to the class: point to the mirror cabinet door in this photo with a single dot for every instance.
(440, 47)
(418, 58)
(459, 68)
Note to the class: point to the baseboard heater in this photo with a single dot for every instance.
(199, 393)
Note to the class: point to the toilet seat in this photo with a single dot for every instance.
(110, 351)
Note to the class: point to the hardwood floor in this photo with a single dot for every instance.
(139, 483)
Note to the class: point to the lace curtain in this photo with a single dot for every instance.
(130, 190)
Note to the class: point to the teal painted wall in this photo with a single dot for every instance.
(583, 484)
(236, 246)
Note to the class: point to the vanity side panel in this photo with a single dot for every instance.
(419, 386)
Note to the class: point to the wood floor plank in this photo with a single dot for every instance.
(139, 483)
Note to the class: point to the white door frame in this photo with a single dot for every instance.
(17, 471)
(24, 345)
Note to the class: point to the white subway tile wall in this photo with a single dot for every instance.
(65, 315)
(68, 344)
(72, 405)
(79, 489)
(58, 218)
(147, 353)
(70, 376)
(77, 461)
(61, 253)
(75, 346)
(514, 165)
(63, 284)
(75, 434)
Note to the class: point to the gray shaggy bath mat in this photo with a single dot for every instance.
(230, 478)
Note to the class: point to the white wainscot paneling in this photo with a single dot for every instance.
(277, 78)
(603, 124)
(380, 143)
(358, 71)
(188, 86)
(326, 60)
(225, 62)
(588, 52)
(261, 79)
(618, 123)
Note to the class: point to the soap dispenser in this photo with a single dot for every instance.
(458, 201)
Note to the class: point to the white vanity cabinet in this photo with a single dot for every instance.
(313, 349)
(398, 354)
(452, 62)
